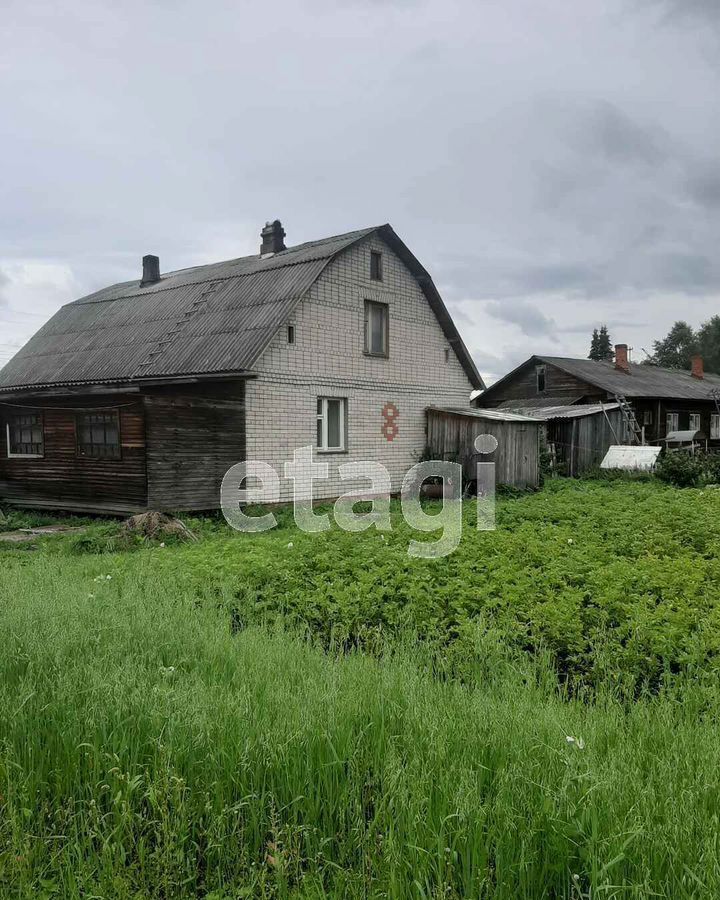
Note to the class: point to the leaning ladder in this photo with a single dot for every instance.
(633, 426)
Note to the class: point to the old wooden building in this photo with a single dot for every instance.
(452, 435)
(143, 394)
(660, 400)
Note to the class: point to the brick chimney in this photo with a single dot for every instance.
(697, 369)
(151, 270)
(273, 238)
(621, 358)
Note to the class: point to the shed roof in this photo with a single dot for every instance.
(642, 380)
(545, 413)
(207, 320)
(497, 415)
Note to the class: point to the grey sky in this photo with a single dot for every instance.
(552, 163)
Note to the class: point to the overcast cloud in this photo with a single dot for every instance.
(552, 163)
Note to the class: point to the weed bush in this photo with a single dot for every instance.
(145, 751)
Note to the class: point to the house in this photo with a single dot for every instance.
(658, 400)
(142, 395)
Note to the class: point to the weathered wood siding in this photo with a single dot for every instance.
(452, 436)
(523, 385)
(581, 443)
(62, 479)
(194, 435)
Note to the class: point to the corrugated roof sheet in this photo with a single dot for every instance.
(643, 381)
(545, 413)
(530, 402)
(497, 415)
(200, 321)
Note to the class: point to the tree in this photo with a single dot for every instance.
(708, 339)
(605, 347)
(600, 345)
(594, 345)
(674, 350)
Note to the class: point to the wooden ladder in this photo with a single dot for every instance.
(633, 426)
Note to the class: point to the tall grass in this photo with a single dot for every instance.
(146, 750)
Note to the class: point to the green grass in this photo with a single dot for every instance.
(240, 718)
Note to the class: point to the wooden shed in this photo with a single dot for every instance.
(578, 437)
(451, 435)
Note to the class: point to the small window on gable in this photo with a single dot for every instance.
(540, 378)
(376, 328)
(376, 267)
(25, 434)
(98, 435)
(291, 334)
(447, 354)
(331, 423)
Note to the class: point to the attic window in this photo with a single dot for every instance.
(291, 334)
(447, 354)
(25, 435)
(540, 378)
(98, 435)
(376, 272)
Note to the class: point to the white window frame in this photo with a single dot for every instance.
(672, 422)
(322, 418)
(11, 455)
(696, 416)
(715, 426)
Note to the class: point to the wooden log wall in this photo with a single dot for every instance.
(452, 436)
(62, 479)
(194, 435)
(523, 385)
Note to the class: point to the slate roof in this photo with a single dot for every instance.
(546, 413)
(496, 415)
(642, 381)
(207, 320)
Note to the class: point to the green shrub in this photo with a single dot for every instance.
(679, 468)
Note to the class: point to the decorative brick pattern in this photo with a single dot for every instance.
(390, 426)
(328, 360)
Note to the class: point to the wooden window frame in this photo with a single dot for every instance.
(699, 421)
(369, 304)
(541, 372)
(9, 425)
(96, 456)
(376, 265)
(291, 334)
(714, 426)
(321, 417)
(676, 427)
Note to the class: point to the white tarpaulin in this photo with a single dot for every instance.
(630, 458)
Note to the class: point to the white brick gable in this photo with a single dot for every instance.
(328, 359)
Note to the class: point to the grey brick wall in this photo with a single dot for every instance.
(327, 359)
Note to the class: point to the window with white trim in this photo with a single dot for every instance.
(694, 423)
(331, 423)
(671, 422)
(25, 434)
(715, 426)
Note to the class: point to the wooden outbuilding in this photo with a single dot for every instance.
(452, 434)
